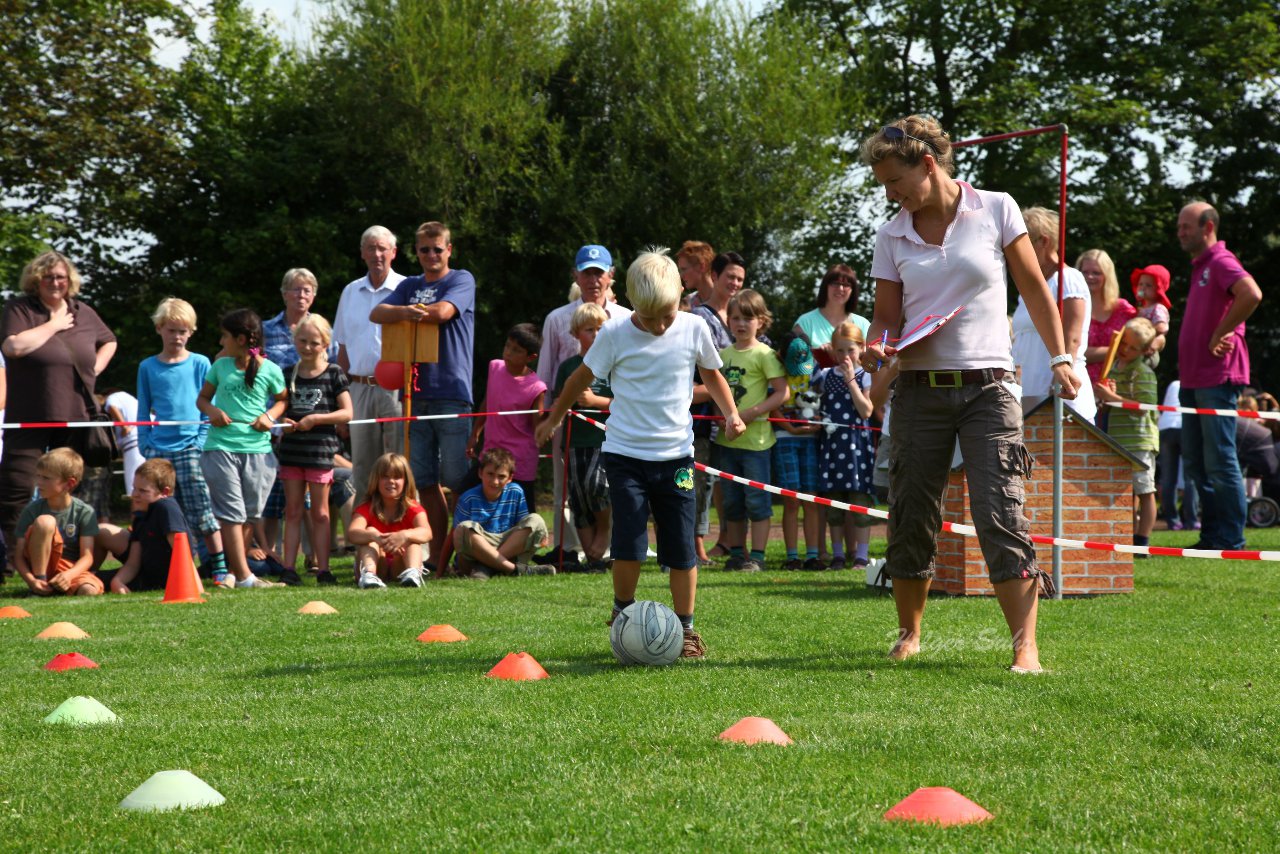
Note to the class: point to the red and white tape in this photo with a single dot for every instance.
(1191, 410)
(970, 531)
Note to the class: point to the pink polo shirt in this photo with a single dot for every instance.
(1213, 272)
(967, 269)
(513, 432)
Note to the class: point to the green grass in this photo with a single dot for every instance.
(1155, 730)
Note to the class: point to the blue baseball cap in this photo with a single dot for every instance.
(593, 256)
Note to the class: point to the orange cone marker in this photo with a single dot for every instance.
(317, 607)
(13, 612)
(939, 805)
(755, 731)
(183, 584)
(442, 634)
(69, 661)
(518, 666)
(63, 631)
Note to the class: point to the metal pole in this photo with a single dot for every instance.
(1058, 407)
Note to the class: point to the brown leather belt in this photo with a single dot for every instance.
(362, 380)
(953, 379)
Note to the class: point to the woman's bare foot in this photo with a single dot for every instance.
(1026, 658)
(907, 645)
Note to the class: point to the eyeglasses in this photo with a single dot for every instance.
(896, 134)
(302, 292)
(431, 250)
(52, 278)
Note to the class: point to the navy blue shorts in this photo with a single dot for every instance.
(637, 487)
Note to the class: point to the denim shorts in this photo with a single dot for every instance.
(744, 502)
(665, 488)
(438, 448)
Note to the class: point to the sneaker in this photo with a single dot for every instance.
(534, 569)
(813, 565)
(313, 568)
(411, 577)
(693, 645)
(273, 566)
(225, 582)
(749, 564)
(1175, 524)
(290, 577)
(860, 563)
(254, 581)
(596, 567)
(837, 564)
(370, 581)
(326, 577)
(553, 557)
(733, 563)
(793, 564)
(480, 573)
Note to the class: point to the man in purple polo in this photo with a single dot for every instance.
(1213, 365)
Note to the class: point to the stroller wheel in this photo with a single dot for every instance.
(1263, 513)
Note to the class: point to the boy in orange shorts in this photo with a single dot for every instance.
(54, 546)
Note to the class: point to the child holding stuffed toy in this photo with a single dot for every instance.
(795, 451)
(847, 451)
(1150, 288)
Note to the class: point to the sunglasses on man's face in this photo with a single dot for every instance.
(431, 250)
(896, 134)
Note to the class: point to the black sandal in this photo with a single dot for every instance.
(720, 547)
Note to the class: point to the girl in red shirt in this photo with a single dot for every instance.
(390, 527)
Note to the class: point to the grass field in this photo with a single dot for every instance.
(1155, 730)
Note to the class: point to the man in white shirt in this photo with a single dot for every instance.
(359, 350)
(593, 273)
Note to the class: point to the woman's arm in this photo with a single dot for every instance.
(1075, 324)
(887, 316)
(103, 358)
(29, 340)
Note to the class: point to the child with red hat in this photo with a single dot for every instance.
(1151, 287)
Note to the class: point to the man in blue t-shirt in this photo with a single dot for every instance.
(438, 448)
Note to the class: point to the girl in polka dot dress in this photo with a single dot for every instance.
(847, 453)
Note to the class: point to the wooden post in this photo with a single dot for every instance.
(408, 342)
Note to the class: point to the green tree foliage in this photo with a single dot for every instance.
(1165, 100)
(84, 126)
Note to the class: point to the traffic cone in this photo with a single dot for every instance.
(13, 612)
(754, 731)
(63, 631)
(69, 661)
(441, 634)
(317, 607)
(939, 805)
(518, 666)
(183, 584)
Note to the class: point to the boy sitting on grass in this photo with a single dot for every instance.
(650, 358)
(493, 530)
(148, 546)
(54, 547)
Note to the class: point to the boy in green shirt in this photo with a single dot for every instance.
(54, 548)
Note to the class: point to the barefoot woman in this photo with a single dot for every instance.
(951, 245)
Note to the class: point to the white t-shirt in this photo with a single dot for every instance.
(1032, 356)
(652, 379)
(1171, 420)
(967, 269)
(352, 327)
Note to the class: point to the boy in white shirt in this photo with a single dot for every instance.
(649, 359)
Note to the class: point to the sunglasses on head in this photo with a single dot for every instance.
(897, 134)
(430, 250)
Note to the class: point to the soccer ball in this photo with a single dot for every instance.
(646, 633)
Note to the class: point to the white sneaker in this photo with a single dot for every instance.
(255, 581)
(370, 581)
(411, 577)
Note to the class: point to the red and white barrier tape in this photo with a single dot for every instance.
(1191, 410)
(970, 531)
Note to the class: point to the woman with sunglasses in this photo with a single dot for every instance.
(837, 297)
(952, 245)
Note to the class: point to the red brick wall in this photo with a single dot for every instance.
(1097, 497)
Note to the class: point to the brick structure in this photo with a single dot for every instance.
(1097, 501)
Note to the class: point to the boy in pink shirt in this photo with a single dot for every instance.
(513, 385)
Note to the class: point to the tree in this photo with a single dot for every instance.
(84, 125)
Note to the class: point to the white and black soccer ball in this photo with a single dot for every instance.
(646, 633)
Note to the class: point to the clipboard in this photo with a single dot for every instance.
(922, 330)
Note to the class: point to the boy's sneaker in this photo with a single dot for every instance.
(552, 557)
(326, 577)
(370, 581)
(597, 567)
(290, 578)
(733, 563)
(837, 564)
(793, 564)
(480, 573)
(411, 577)
(860, 563)
(256, 582)
(813, 565)
(693, 645)
(534, 569)
(749, 564)
(225, 582)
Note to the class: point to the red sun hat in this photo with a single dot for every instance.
(1158, 272)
